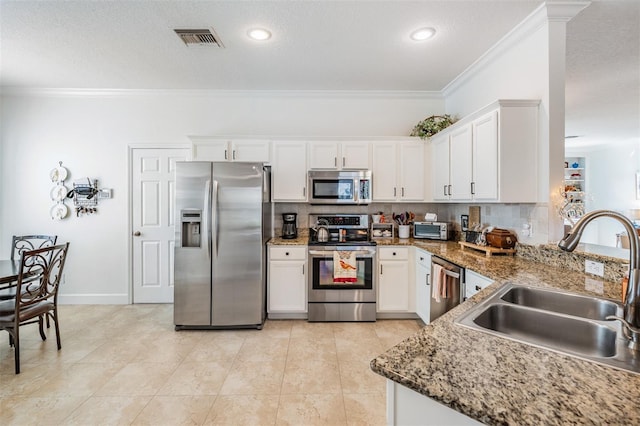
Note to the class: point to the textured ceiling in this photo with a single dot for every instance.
(316, 45)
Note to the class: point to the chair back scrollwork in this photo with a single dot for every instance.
(22, 243)
(40, 276)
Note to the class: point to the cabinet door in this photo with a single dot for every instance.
(412, 171)
(287, 286)
(212, 151)
(384, 170)
(289, 171)
(440, 167)
(355, 155)
(475, 282)
(423, 285)
(485, 157)
(393, 286)
(323, 155)
(460, 149)
(255, 150)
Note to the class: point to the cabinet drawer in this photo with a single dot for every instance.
(393, 253)
(288, 253)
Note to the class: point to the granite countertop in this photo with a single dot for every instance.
(498, 381)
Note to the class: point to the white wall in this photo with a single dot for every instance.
(90, 133)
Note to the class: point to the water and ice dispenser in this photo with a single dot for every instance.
(191, 221)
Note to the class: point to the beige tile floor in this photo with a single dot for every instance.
(125, 364)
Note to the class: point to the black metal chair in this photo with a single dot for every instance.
(37, 294)
(20, 244)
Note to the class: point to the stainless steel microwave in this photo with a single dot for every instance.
(339, 186)
(431, 230)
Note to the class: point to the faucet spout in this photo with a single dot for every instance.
(632, 301)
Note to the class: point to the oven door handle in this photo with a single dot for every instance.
(329, 253)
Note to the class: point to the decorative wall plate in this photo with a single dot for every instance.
(59, 211)
(58, 174)
(59, 192)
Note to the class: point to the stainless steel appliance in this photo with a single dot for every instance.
(329, 298)
(453, 278)
(224, 218)
(289, 226)
(431, 230)
(340, 187)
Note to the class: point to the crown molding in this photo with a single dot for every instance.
(557, 11)
(123, 93)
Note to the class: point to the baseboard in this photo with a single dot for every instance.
(93, 299)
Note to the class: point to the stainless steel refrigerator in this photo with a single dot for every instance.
(224, 218)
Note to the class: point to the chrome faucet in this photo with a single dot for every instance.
(631, 320)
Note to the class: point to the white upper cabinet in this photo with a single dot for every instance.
(460, 172)
(489, 156)
(246, 150)
(289, 171)
(398, 170)
(336, 155)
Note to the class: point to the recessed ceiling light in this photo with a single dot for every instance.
(423, 34)
(259, 34)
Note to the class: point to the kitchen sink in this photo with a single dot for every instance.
(548, 329)
(563, 322)
(562, 302)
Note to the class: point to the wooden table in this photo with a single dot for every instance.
(9, 270)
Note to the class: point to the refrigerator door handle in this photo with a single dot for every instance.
(207, 219)
(216, 220)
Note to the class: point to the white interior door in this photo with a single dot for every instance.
(153, 190)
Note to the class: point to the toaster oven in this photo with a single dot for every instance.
(431, 230)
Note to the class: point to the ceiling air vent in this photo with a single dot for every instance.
(200, 37)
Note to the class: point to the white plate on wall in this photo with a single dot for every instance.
(59, 192)
(59, 211)
(58, 174)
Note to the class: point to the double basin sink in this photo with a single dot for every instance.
(564, 322)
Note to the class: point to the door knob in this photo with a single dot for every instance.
(136, 234)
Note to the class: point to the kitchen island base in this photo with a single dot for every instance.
(407, 407)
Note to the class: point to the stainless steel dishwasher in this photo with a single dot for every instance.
(447, 294)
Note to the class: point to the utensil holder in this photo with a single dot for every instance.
(404, 231)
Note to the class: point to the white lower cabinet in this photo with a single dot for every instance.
(407, 407)
(395, 295)
(423, 285)
(287, 284)
(475, 282)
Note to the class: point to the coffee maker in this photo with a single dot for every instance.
(289, 227)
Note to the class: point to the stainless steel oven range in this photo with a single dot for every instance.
(342, 280)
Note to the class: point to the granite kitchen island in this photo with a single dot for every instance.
(498, 381)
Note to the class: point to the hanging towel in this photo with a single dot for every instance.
(345, 267)
(439, 282)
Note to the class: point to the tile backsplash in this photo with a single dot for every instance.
(506, 216)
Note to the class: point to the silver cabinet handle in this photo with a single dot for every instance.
(303, 269)
(427, 279)
(403, 191)
(380, 269)
(449, 190)
(343, 162)
(234, 154)
(335, 161)
(444, 190)
(394, 191)
(225, 155)
(473, 188)
(304, 191)
(137, 234)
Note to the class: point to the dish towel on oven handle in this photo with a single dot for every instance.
(439, 290)
(345, 267)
